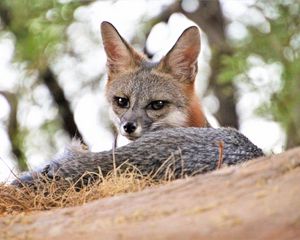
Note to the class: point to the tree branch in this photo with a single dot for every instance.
(5, 15)
(14, 134)
(62, 103)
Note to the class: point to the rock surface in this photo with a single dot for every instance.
(258, 200)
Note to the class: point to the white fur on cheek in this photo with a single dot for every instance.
(176, 119)
(138, 131)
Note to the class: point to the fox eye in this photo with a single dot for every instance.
(122, 102)
(157, 105)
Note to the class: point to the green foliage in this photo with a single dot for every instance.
(38, 26)
(39, 30)
(232, 64)
(280, 45)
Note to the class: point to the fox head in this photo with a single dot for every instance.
(146, 96)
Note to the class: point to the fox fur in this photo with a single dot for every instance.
(165, 116)
(144, 84)
(183, 151)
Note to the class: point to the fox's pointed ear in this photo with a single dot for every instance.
(181, 60)
(120, 55)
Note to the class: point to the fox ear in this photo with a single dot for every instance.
(120, 55)
(181, 60)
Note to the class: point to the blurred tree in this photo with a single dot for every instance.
(38, 28)
(15, 134)
(279, 43)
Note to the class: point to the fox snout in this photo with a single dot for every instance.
(130, 129)
(133, 124)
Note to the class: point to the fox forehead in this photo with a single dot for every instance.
(146, 84)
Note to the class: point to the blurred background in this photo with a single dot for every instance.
(52, 69)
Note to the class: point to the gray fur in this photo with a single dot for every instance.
(141, 88)
(189, 151)
(133, 77)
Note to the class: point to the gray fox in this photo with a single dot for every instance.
(146, 96)
(182, 151)
(155, 104)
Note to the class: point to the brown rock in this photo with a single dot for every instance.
(258, 200)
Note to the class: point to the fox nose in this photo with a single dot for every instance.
(129, 127)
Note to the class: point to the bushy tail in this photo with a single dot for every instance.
(182, 151)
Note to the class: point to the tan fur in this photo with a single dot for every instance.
(134, 78)
(196, 117)
(120, 55)
(181, 60)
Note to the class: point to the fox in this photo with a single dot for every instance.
(182, 151)
(145, 96)
(155, 105)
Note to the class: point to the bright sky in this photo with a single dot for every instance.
(90, 114)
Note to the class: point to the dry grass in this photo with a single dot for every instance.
(48, 194)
